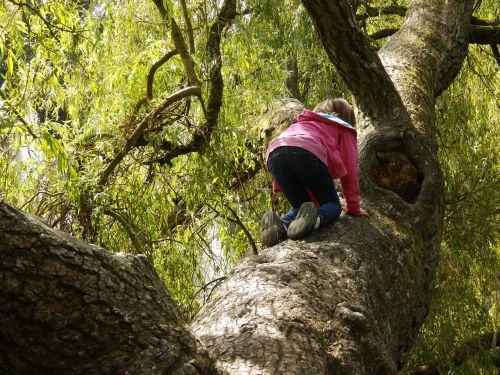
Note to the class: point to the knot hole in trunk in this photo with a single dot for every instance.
(394, 171)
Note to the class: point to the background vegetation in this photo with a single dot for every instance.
(73, 88)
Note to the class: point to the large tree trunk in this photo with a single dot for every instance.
(69, 307)
(347, 300)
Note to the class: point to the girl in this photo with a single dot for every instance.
(304, 160)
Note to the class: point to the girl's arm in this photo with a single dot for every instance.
(350, 182)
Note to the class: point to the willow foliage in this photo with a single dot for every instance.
(74, 87)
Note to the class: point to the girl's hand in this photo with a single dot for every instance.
(363, 213)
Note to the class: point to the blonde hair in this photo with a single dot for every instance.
(338, 107)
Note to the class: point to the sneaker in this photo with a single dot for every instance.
(304, 223)
(272, 229)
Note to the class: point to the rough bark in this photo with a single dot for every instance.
(347, 300)
(67, 307)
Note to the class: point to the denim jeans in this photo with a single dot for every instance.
(295, 170)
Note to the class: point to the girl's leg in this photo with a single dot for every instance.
(281, 164)
(289, 216)
(320, 184)
(296, 170)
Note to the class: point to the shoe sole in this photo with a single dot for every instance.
(304, 222)
(270, 234)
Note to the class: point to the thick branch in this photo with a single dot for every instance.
(484, 34)
(356, 60)
(425, 55)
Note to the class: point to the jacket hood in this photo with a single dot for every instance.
(308, 115)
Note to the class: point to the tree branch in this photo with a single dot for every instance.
(187, 59)
(434, 62)
(154, 68)
(202, 136)
(70, 307)
(496, 53)
(381, 34)
(355, 59)
(44, 20)
(129, 228)
(18, 115)
(189, 26)
(238, 222)
(224, 18)
(375, 12)
(160, 4)
(141, 126)
(480, 34)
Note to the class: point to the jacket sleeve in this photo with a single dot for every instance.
(350, 181)
(276, 187)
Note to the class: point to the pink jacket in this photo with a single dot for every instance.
(334, 144)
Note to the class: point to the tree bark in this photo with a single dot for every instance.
(67, 307)
(347, 300)
(350, 299)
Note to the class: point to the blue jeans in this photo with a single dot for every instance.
(296, 169)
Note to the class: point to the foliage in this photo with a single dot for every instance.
(73, 85)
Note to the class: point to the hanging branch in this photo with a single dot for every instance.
(44, 20)
(18, 115)
(238, 222)
(129, 228)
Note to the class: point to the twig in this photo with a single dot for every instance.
(37, 194)
(129, 228)
(217, 281)
(18, 115)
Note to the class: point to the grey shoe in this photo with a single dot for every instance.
(305, 221)
(272, 229)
